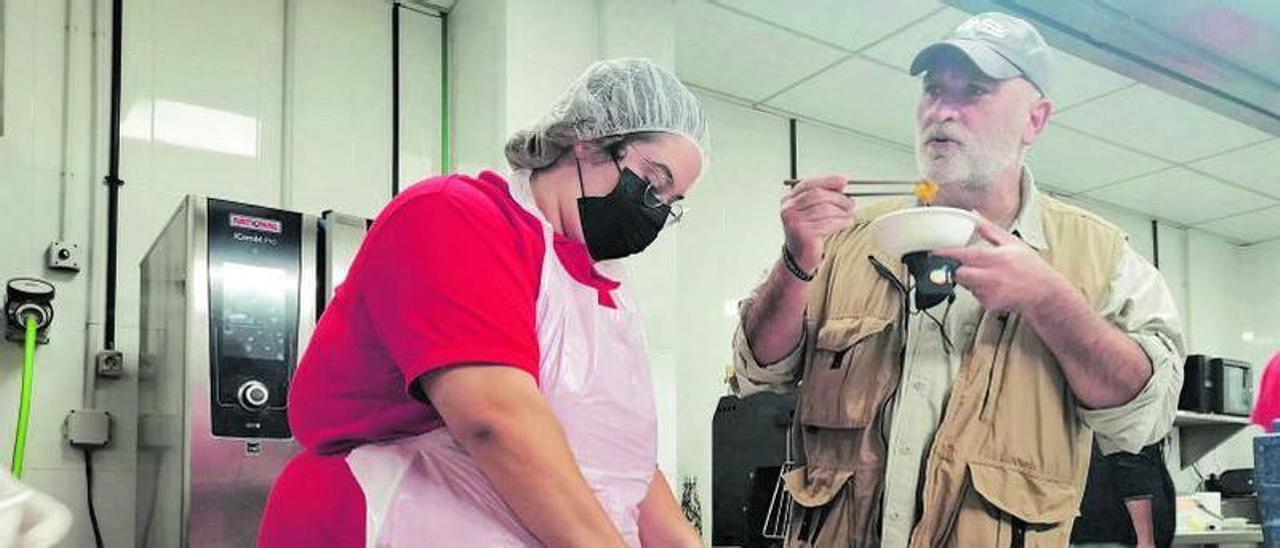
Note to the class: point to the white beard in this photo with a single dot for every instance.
(965, 167)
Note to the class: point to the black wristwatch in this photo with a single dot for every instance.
(794, 268)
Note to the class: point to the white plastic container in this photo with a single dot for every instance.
(11, 507)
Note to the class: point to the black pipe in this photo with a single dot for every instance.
(395, 99)
(88, 493)
(792, 144)
(112, 180)
(1155, 243)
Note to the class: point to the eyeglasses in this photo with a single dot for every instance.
(653, 200)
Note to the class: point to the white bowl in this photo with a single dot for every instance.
(922, 229)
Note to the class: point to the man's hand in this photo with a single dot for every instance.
(1104, 367)
(815, 209)
(1007, 277)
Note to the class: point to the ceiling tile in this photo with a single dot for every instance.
(824, 151)
(860, 95)
(1248, 228)
(741, 56)
(1071, 161)
(1159, 124)
(849, 24)
(1182, 196)
(1254, 167)
(1075, 80)
(899, 50)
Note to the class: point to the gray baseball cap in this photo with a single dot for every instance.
(1000, 45)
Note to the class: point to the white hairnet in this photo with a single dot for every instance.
(611, 98)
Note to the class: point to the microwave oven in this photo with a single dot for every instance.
(1232, 392)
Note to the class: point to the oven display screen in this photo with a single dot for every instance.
(253, 312)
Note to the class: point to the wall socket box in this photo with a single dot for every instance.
(87, 428)
(63, 255)
(109, 364)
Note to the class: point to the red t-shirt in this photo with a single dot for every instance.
(448, 274)
(1266, 409)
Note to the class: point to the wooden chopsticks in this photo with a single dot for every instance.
(791, 183)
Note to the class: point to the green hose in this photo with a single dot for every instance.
(24, 407)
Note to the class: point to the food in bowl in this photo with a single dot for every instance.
(926, 191)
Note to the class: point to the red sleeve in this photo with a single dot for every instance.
(452, 278)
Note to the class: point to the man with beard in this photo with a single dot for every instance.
(967, 424)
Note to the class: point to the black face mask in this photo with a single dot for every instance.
(620, 224)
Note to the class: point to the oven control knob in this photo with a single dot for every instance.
(253, 395)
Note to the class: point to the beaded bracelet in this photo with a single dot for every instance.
(794, 268)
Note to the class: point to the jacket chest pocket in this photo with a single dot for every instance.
(839, 385)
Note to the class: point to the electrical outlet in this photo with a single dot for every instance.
(109, 364)
(63, 256)
(88, 428)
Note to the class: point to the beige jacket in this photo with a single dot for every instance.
(1008, 461)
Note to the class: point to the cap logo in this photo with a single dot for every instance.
(989, 27)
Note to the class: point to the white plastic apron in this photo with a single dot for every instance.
(594, 371)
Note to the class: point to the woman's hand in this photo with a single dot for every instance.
(662, 522)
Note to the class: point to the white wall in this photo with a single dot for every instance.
(1234, 314)
(421, 65)
(1261, 335)
(477, 79)
(39, 162)
(280, 103)
(510, 61)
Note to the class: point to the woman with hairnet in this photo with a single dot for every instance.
(477, 380)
